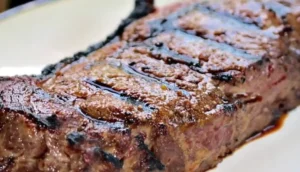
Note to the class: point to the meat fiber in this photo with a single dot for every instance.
(173, 89)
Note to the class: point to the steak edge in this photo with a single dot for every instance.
(173, 89)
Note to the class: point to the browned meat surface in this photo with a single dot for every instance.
(176, 90)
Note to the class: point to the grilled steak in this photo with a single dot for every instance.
(175, 90)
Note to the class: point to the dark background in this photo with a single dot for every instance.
(14, 3)
(7, 4)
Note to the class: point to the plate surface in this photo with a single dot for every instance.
(39, 35)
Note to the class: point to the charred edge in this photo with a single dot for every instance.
(223, 77)
(6, 163)
(281, 109)
(276, 115)
(229, 108)
(112, 125)
(141, 9)
(276, 121)
(167, 24)
(121, 95)
(153, 162)
(51, 122)
(4, 79)
(75, 138)
(131, 70)
(98, 152)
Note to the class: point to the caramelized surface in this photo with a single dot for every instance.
(176, 91)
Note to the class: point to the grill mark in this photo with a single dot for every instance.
(223, 77)
(114, 125)
(75, 138)
(229, 108)
(132, 71)
(24, 103)
(221, 46)
(254, 20)
(159, 52)
(141, 9)
(121, 95)
(172, 86)
(175, 59)
(195, 67)
(47, 122)
(241, 19)
(230, 20)
(117, 163)
(227, 30)
(279, 9)
(170, 56)
(152, 161)
(167, 24)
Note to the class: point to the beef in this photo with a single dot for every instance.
(175, 90)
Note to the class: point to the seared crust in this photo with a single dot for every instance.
(171, 91)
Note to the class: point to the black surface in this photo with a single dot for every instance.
(14, 3)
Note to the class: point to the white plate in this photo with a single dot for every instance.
(34, 37)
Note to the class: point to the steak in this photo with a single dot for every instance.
(173, 89)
